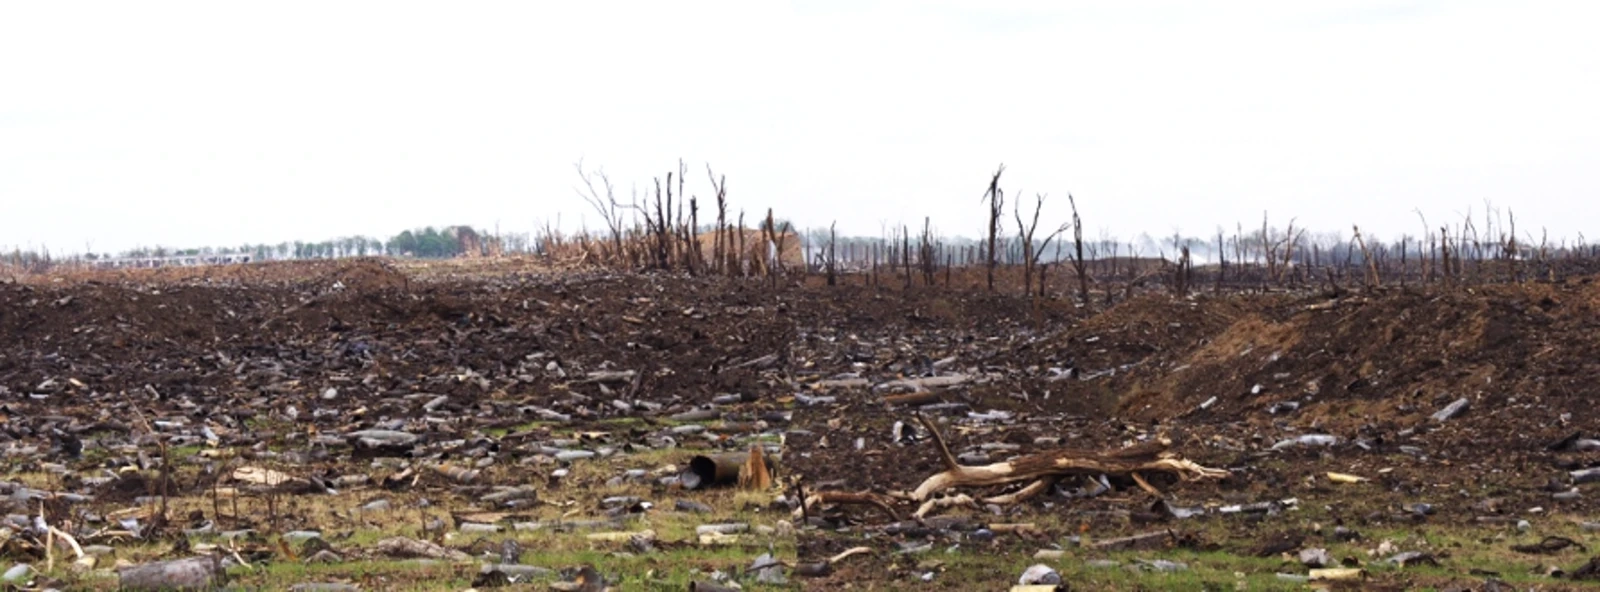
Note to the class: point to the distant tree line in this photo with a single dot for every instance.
(429, 242)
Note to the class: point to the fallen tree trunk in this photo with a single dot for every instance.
(1057, 463)
(1129, 542)
(865, 498)
(194, 573)
(914, 399)
(917, 385)
(408, 548)
(1130, 462)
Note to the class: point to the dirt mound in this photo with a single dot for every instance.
(365, 274)
(1389, 358)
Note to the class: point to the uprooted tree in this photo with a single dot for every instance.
(1040, 471)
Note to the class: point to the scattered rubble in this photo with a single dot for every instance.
(458, 413)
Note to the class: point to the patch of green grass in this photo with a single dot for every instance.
(178, 453)
(372, 574)
(976, 569)
(677, 559)
(1466, 554)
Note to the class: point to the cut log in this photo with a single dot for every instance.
(841, 383)
(608, 377)
(193, 573)
(918, 385)
(408, 548)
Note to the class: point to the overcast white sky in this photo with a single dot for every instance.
(184, 124)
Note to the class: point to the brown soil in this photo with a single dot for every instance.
(1368, 368)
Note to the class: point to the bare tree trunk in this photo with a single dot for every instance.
(996, 199)
(833, 237)
(1444, 254)
(1182, 274)
(1512, 252)
(742, 252)
(925, 255)
(691, 237)
(1267, 251)
(1222, 262)
(1403, 242)
(718, 249)
(1077, 261)
(905, 254)
(875, 264)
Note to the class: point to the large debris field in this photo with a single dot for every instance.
(371, 425)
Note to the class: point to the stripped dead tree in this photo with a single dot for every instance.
(739, 255)
(997, 204)
(833, 239)
(1078, 264)
(1370, 271)
(604, 202)
(720, 247)
(1032, 251)
(926, 257)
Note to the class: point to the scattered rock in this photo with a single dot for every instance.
(691, 506)
(1039, 574)
(768, 570)
(730, 528)
(324, 587)
(1160, 565)
(1316, 557)
(17, 573)
(1410, 558)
